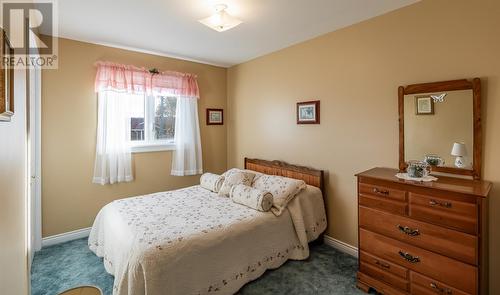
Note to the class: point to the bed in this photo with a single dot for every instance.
(193, 241)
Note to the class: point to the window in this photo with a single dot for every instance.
(152, 122)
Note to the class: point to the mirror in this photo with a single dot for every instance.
(432, 127)
(439, 124)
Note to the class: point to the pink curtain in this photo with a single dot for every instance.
(131, 79)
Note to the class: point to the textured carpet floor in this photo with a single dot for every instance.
(327, 271)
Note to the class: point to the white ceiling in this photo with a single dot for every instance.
(171, 27)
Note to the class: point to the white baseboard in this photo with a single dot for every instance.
(66, 237)
(341, 246)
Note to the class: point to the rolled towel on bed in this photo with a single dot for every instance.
(211, 181)
(251, 197)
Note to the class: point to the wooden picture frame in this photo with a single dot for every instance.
(6, 80)
(464, 84)
(308, 112)
(424, 105)
(215, 117)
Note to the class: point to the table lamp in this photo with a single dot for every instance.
(459, 151)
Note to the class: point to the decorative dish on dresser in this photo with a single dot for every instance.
(421, 236)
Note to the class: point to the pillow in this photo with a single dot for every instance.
(282, 188)
(233, 170)
(212, 182)
(234, 178)
(251, 197)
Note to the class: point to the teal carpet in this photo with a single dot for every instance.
(327, 271)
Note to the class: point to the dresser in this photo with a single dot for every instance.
(422, 238)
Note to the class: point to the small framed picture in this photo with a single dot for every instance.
(215, 117)
(6, 80)
(308, 112)
(424, 105)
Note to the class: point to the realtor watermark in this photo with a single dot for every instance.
(29, 30)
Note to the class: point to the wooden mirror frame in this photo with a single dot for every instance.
(464, 84)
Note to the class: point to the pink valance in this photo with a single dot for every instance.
(131, 79)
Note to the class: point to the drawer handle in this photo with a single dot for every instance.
(408, 230)
(440, 290)
(441, 204)
(408, 257)
(377, 191)
(381, 264)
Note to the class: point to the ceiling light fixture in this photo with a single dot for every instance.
(221, 21)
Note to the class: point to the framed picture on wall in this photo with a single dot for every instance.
(215, 117)
(6, 80)
(308, 112)
(424, 105)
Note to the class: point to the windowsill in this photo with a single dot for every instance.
(146, 148)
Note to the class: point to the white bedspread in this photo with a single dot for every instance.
(193, 241)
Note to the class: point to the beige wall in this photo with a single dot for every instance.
(13, 252)
(451, 122)
(355, 72)
(69, 120)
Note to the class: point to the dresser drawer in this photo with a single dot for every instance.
(384, 264)
(454, 214)
(448, 242)
(384, 276)
(422, 285)
(452, 272)
(395, 207)
(381, 287)
(382, 192)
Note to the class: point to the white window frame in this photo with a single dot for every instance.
(144, 146)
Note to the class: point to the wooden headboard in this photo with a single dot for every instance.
(311, 176)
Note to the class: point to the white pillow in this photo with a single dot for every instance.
(212, 182)
(234, 178)
(251, 197)
(282, 188)
(234, 170)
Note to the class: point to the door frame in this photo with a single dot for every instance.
(34, 163)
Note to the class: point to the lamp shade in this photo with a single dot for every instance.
(459, 149)
(221, 21)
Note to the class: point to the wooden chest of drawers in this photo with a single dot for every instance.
(422, 238)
